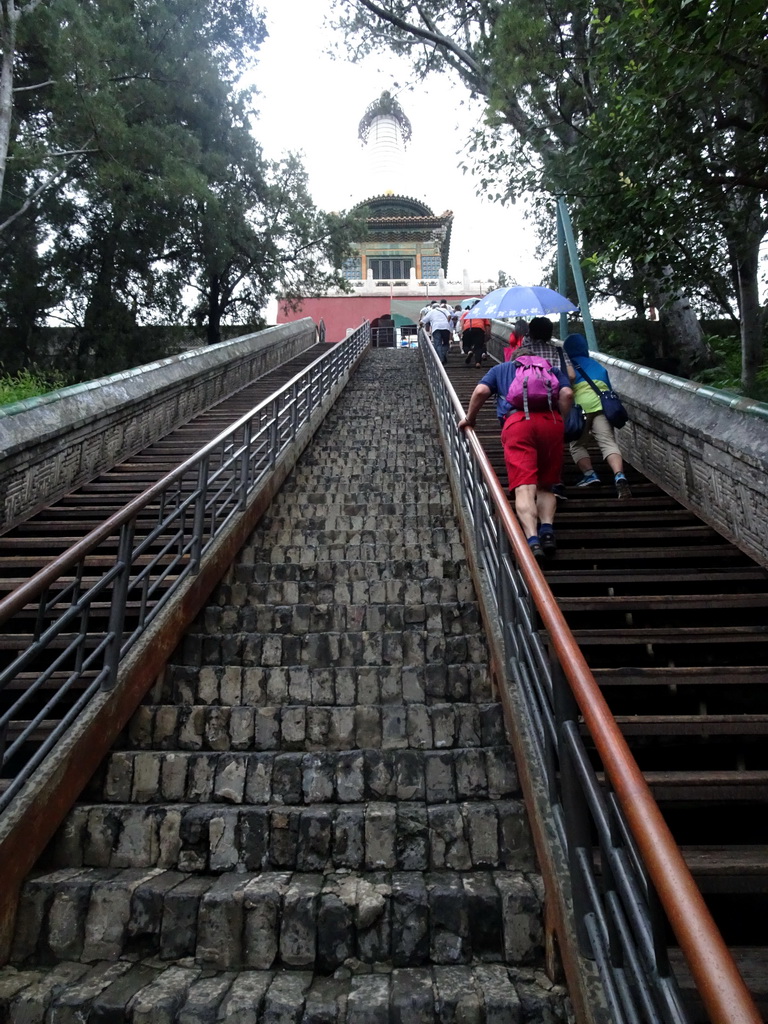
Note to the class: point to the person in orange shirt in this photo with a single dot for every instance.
(474, 337)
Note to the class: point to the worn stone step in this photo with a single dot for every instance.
(308, 728)
(301, 684)
(359, 648)
(250, 569)
(382, 592)
(399, 487)
(299, 533)
(352, 466)
(358, 518)
(271, 918)
(453, 618)
(154, 992)
(348, 776)
(366, 551)
(339, 503)
(324, 837)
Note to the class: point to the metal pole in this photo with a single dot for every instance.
(562, 269)
(565, 220)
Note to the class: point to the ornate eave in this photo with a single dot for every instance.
(389, 204)
(406, 215)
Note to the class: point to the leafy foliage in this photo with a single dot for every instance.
(134, 179)
(28, 384)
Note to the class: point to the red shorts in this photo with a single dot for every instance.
(533, 449)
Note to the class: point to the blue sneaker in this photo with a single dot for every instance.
(588, 479)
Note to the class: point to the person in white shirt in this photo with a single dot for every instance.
(438, 323)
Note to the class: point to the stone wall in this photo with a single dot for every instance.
(707, 448)
(51, 444)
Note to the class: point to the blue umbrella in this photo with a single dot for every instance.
(520, 301)
(469, 303)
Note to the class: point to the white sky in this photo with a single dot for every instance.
(313, 105)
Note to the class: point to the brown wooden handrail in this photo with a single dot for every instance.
(719, 983)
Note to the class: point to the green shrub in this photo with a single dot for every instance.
(28, 384)
(726, 373)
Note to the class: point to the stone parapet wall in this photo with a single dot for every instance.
(52, 444)
(707, 448)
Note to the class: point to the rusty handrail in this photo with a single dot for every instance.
(717, 978)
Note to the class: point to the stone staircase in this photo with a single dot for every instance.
(315, 817)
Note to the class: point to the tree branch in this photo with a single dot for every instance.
(37, 192)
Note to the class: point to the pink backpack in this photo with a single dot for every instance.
(534, 387)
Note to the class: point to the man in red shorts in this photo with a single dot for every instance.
(533, 451)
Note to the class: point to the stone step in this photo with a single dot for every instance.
(304, 727)
(400, 488)
(358, 648)
(301, 684)
(355, 463)
(154, 992)
(338, 503)
(302, 619)
(303, 779)
(426, 592)
(270, 918)
(250, 569)
(367, 551)
(358, 518)
(302, 534)
(324, 837)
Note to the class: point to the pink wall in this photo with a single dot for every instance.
(340, 312)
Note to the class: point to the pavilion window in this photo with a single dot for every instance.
(394, 267)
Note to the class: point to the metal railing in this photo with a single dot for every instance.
(73, 622)
(628, 879)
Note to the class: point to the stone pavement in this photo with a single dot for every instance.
(315, 817)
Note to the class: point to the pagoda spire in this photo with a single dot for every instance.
(385, 131)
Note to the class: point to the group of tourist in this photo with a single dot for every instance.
(442, 323)
(532, 432)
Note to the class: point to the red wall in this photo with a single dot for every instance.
(340, 312)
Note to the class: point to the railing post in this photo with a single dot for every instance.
(273, 433)
(117, 607)
(562, 268)
(245, 465)
(199, 520)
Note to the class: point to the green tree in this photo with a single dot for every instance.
(680, 139)
(135, 110)
(258, 234)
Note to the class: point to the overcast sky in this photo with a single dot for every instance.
(313, 105)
